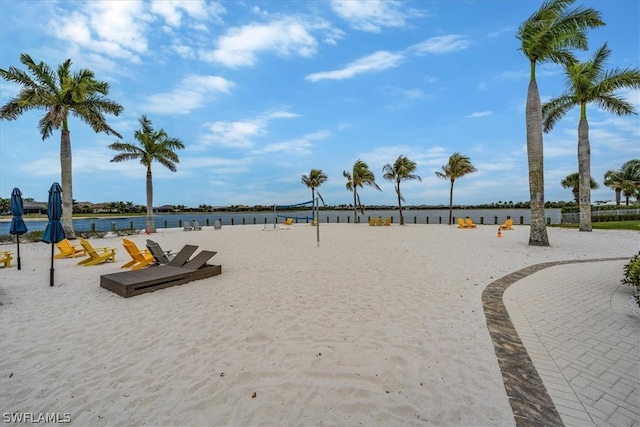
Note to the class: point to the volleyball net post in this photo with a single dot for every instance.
(315, 215)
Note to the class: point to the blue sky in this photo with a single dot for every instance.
(261, 92)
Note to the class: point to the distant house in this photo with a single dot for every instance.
(34, 207)
(165, 209)
(102, 208)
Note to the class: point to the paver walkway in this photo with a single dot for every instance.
(572, 323)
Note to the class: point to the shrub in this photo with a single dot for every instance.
(91, 234)
(33, 236)
(631, 274)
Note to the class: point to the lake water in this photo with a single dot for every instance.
(422, 216)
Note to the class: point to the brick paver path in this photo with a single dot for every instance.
(575, 323)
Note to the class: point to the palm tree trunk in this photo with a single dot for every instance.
(313, 203)
(355, 205)
(618, 193)
(399, 203)
(451, 204)
(584, 174)
(151, 227)
(538, 230)
(67, 184)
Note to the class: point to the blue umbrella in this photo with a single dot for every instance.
(54, 232)
(18, 226)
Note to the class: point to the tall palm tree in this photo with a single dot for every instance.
(589, 82)
(624, 181)
(572, 181)
(401, 170)
(60, 94)
(152, 145)
(547, 36)
(458, 166)
(314, 180)
(359, 176)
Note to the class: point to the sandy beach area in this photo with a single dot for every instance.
(373, 326)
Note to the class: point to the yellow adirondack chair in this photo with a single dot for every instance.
(470, 223)
(507, 224)
(288, 221)
(68, 250)
(461, 223)
(139, 259)
(97, 255)
(5, 258)
(387, 221)
(379, 221)
(372, 222)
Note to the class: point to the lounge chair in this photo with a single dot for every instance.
(161, 256)
(507, 224)
(314, 222)
(470, 223)
(286, 224)
(217, 225)
(461, 223)
(379, 221)
(372, 222)
(131, 283)
(387, 221)
(196, 225)
(68, 250)
(96, 255)
(5, 258)
(139, 259)
(187, 226)
(169, 258)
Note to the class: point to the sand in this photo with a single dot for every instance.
(375, 326)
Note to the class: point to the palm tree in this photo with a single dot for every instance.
(5, 205)
(457, 167)
(572, 181)
(314, 180)
(401, 170)
(358, 177)
(624, 181)
(153, 145)
(547, 36)
(60, 94)
(611, 180)
(589, 82)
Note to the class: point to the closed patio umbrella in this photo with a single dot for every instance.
(18, 226)
(54, 232)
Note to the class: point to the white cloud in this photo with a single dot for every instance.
(370, 15)
(480, 114)
(300, 145)
(240, 133)
(377, 61)
(173, 11)
(115, 29)
(240, 46)
(440, 44)
(191, 93)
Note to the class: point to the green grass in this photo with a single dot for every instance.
(613, 225)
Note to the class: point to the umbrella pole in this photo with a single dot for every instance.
(51, 271)
(18, 244)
